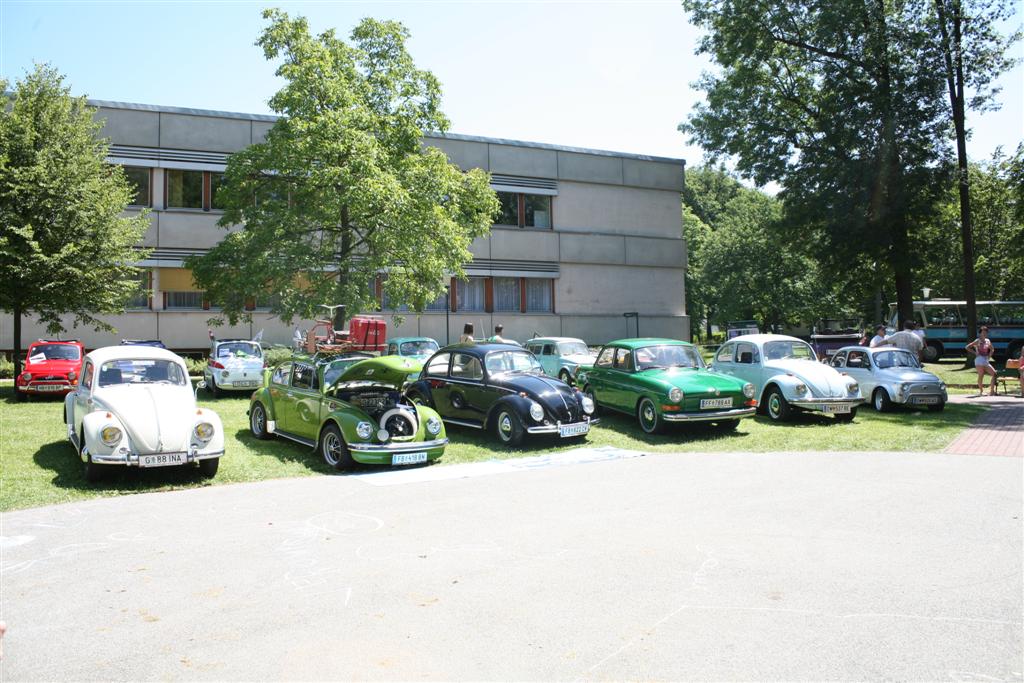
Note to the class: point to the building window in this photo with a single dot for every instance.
(138, 180)
(190, 301)
(471, 294)
(538, 295)
(524, 210)
(216, 184)
(506, 294)
(184, 189)
(140, 300)
(438, 304)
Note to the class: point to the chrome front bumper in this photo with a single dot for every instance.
(132, 459)
(733, 414)
(554, 429)
(812, 404)
(396, 447)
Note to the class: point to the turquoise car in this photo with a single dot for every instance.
(420, 348)
(350, 408)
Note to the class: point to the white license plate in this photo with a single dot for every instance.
(835, 408)
(926, 400)
(408, 458)
(565, 431)
(49, 387)
(245, 384)
(162, 460)
(706, 403)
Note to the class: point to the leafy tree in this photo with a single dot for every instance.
(343, 187)
(65, 247)
(837, 102)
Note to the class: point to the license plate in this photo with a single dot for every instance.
(835, 408)
(926, 400)
(49, 387)
(162, 460)
(245, 384)
(706, 403)
(408, 458)
(574, 429)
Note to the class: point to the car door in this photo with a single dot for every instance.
(619, 388)
(82, 402)
(468, 396)
(597, 376)
(858, 366)
(304, 418)
(549, 359)
(723, 359)
(746, 363)
(436, 376)
(281, 396)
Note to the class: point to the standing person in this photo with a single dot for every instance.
(467, 333)
(982, 348)
(1021, 371)
(906, 339)
(498, 329)
(879, 338)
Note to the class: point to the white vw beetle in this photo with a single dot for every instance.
(786, 375)
(134, 406)
(890, 375)
(234, 364)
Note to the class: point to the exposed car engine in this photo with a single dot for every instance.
(384, 407)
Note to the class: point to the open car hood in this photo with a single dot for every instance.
(386, 370)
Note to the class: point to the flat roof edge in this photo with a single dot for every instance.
(159, 108)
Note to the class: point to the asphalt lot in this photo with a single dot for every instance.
(792, 566)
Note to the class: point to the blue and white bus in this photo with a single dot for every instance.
(945, 327)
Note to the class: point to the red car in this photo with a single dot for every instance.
(51, 367)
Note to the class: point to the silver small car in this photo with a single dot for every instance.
(561, 357)
(889, 375)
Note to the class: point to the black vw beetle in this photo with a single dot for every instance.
(501, 387)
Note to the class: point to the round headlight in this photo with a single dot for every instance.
(203, 431)
(853, 387)
(433, 425)
(748, 390)
(536, 412)
(72, 376)
(675, 395)
(800, 388)
(904, 388)
(364, 430)
(224, 373)
(110, 435)
(588, 405)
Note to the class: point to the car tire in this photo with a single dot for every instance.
(587, 391)
(931, 352)
(417, 398)
(333, 449)
(846, 417)
(508, 427)
(258, 422)
(937, 407)
(880, 400)
(647, 416)
(208, 467)
(566, 377)
(93, 472)
(214, 389)
(776, 407)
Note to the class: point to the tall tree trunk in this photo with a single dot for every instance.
(342, 315)
(952, 55)
(17, 343)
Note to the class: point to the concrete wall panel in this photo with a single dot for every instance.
(654, 174)
(645, 251)
(207, 133)
(598, 289)
(531, 245)
(583, 248)
(260, 130)
(481, 247)
(524, 161)
(195, 229)
(150, 237)
(589, 168)
(130, 127)
(583, 207)
(463, 153)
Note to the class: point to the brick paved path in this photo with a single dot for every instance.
(997, 431)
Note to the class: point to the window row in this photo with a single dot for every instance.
(182, 189)
(492, 295)
(524, 210)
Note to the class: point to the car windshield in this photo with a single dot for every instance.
(572, 349)
(335, 369)
(667, 356)
(142, 371)
(788, 348)
(499, 362)
(421, 347)
(239, 350)
(896, 359)
(43, 352)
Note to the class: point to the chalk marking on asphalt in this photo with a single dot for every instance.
(54, 553)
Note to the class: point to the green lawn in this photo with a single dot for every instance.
(39, 467)
(960, 379)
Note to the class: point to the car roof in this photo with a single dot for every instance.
(72, 342)
(640, 342)
(480, 349)
(402, 340)
(553, 339)
(132, 352)
(762, 338)
(218, 341)
(871, 349)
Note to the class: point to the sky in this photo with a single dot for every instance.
(602, 75)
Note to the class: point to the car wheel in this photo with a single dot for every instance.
(931, 352)
(417, 398)
(937, 407)
(208, 467)
(881, 401)
(589, 393)
(846, 417)
(647, 416)
(565, 377)
(258, 421)
(93, 472)
(728, 425)
(508, 428)
(333, 449)
(776, 406)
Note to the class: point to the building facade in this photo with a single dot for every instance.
(585, 237)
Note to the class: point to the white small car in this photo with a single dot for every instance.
(786, 375)
(561, 357)
(234, 365)
(890, 375)
(134, 406)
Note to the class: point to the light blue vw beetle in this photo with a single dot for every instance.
(561, 357)
(890, 375)
(787, 376)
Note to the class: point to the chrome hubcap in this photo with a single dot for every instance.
(505, 425)
(647, 414)
(258, 421)
(332, 448)
(774, 405)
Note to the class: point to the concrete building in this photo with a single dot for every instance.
(585, 236)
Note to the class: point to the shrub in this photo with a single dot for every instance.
(195, 366)
(276, 354)
(6, 367)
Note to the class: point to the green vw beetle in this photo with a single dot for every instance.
(665, 380)
(350, 408)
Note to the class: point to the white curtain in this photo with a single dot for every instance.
(506, 294)
(538, 295)
(470, 294)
